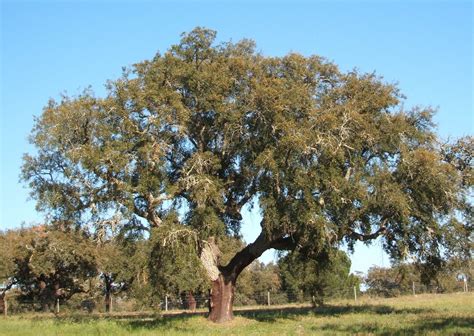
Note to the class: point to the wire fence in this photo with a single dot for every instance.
(199, 302)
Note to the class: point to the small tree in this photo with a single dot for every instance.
(390, 282)
(205, 129)
(117, 266)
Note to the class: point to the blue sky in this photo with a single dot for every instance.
(51, 47)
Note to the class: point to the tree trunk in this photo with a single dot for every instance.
(191, 301)
(108, 301)
(222, 300)
(3, 304)
(108, 280)
(44, 296)
(224, 277)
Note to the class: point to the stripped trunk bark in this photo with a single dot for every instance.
(224, 277)
(222, 299)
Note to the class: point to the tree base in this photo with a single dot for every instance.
(221, 300)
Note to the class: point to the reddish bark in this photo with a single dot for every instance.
(222, 300)
(222, 291)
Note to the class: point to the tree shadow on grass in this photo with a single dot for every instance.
(157, 323)
(271, 315)
(445, 325)
(177, 320)
(130, 321)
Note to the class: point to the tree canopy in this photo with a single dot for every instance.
(182, 142)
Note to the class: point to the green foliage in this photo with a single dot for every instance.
(399, 279)
(9, 243)
(256, 281)
(174, 263)
(320, 278)
(54, 264)
(205, 128)
(390, 282)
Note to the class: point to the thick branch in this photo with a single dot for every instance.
(365, 237)
(150, 214)
(246, 256)
(254, 250)
(284, 244)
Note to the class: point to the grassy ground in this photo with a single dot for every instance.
(451, 314)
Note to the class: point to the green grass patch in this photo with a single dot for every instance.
(449, 314)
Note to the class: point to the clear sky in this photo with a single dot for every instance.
(51, 47)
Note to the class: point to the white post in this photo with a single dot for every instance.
(57, 306)
(413, 287)
(355, 294)
(465, 284)
(166, 302)
(268, 297)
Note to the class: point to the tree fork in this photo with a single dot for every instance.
(224, 277)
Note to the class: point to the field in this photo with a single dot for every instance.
(448, 314)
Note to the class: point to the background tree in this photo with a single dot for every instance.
(204, 129)
(400, 279)
(327, 276)
(120, 263)
(54, 265)
(392, 281)
(256, 281)
(10, 241)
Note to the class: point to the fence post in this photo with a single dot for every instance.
(166, 302)
(268, 297)
(5, 307)
(465, 284)
(57, 306)
(355, 294)
(413, 287)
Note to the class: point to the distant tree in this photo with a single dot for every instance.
(118, 267)
(256, 281)
(10, 241)
(182, 142)
(390, 281)
(400, 278)
(319, 278)
(54, 265)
